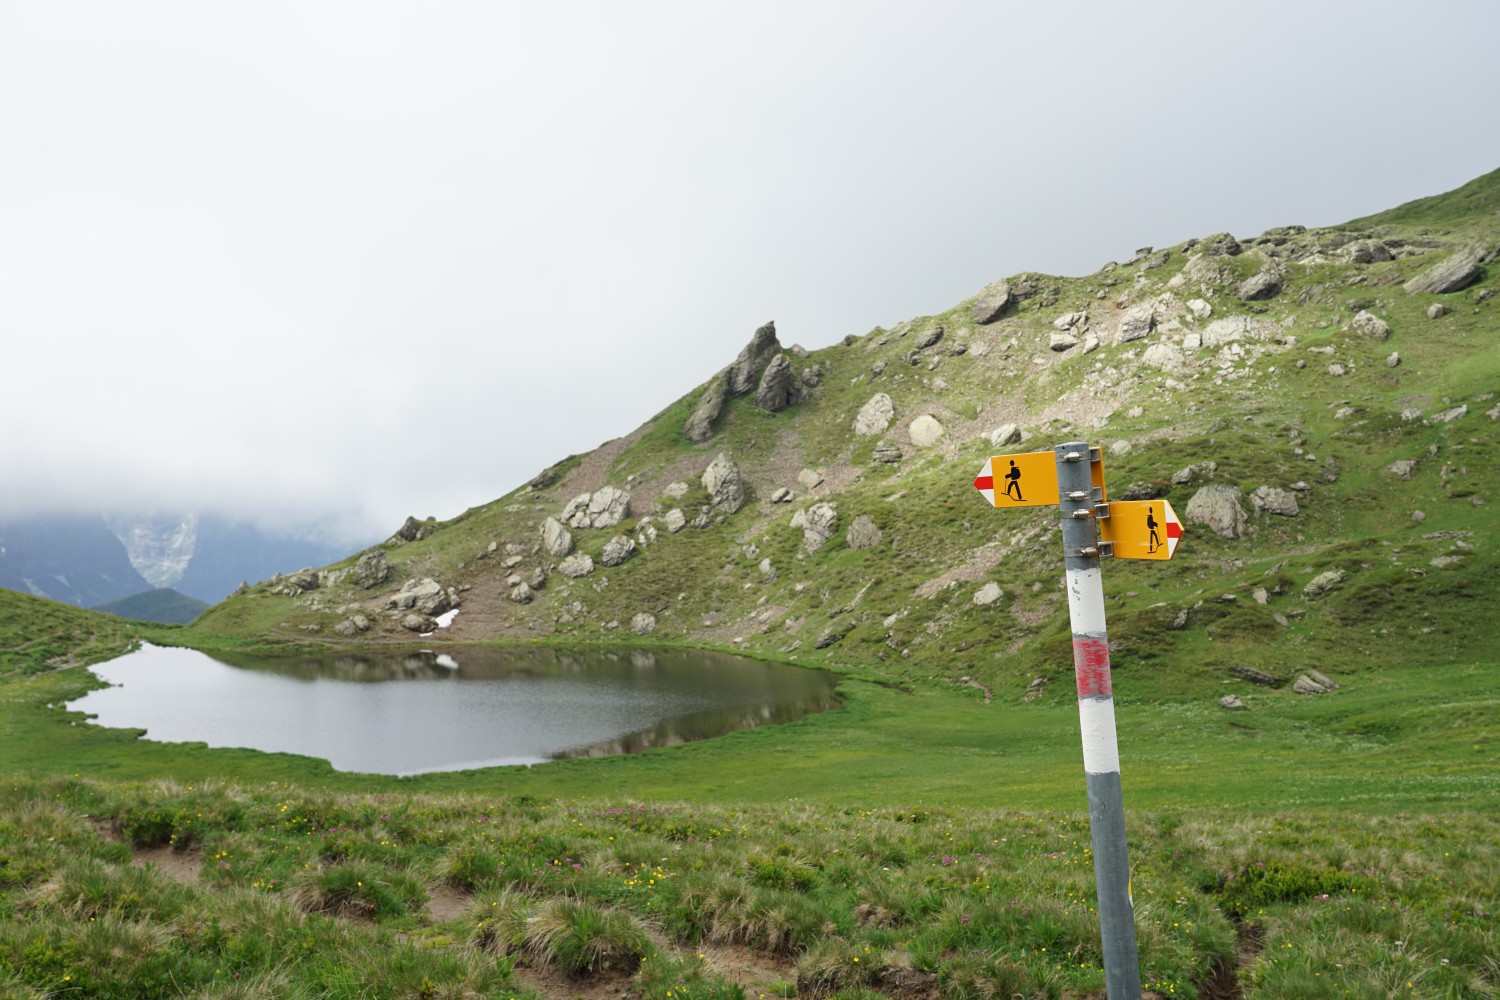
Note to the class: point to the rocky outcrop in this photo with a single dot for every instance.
(991, 302)
(1458, 272)
(412, 530)
(604, 508)
(777, 389)
(700, 426)
(1266, 283)
(875, 416)
(886, 454)
(1220, 245)
(725, 486)
(556, 539)
(1217, 507)
(742, 375)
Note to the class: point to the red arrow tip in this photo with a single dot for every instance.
(984, 483)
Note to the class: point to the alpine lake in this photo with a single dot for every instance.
(404, 713)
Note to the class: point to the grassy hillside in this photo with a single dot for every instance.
(1317, 392)
(163, 605)
(38, 635)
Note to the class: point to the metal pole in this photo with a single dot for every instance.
(1096, 713)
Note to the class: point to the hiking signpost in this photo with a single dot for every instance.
(1072, 477)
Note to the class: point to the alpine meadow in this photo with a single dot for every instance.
(1305, 691)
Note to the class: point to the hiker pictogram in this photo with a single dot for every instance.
(1151, 526)
(1013, 482)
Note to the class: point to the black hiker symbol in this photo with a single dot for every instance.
(1154, 542)
(1013, 482)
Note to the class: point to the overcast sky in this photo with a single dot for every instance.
(371, 259)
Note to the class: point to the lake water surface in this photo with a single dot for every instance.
(411, 713)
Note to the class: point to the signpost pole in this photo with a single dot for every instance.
(1096, 712)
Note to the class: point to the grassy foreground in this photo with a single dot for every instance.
(295, 892)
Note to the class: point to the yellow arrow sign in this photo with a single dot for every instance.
(1141, 529)
(1026, 480)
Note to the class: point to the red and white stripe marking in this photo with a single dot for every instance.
(985, 481)
(1096, 703)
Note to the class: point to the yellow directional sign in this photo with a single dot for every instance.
(1141, 529)
(1026, 480)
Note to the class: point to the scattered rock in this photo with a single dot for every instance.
(674, 520)
(1185, 475)
(414, 622)
(1220, 245)
(1402, 468)
(522, 593)
(617, 550)
(1005, 434)
(818, 524)
(1060, 342)
(925, 430)
(1325, 582)
(412, 530)
(1448, 416)
(1371, 326)
(346, 629)
(1306, 685)
(991, 302)
(1069, 321)
(372, 569)
(1393, 360)
(1337, 370)
(1255, 676)
(863, 534)
(579, 564)
(1199, 308)
(556, 539)
(810, 479)
(1233, 704)
(886, 454)
(643, 623)
(1136, 324)
(425, 595)
(875, 416)
(782, 495)
(929, 337)
(726, 488)
(1217, 507)
(1458, 271)
(603, 509)
(1437, 311)
(1264, 284)
(1367, 252)
(988, 594)
(1272, 500)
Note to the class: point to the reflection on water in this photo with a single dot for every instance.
(409, 713)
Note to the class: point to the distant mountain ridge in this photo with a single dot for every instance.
(90, 559)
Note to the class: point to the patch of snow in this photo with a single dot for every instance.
(446, 618)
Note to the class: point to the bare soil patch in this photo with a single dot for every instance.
(179, 866)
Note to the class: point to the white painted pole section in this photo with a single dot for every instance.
(1086, 600)
(1101, 748)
